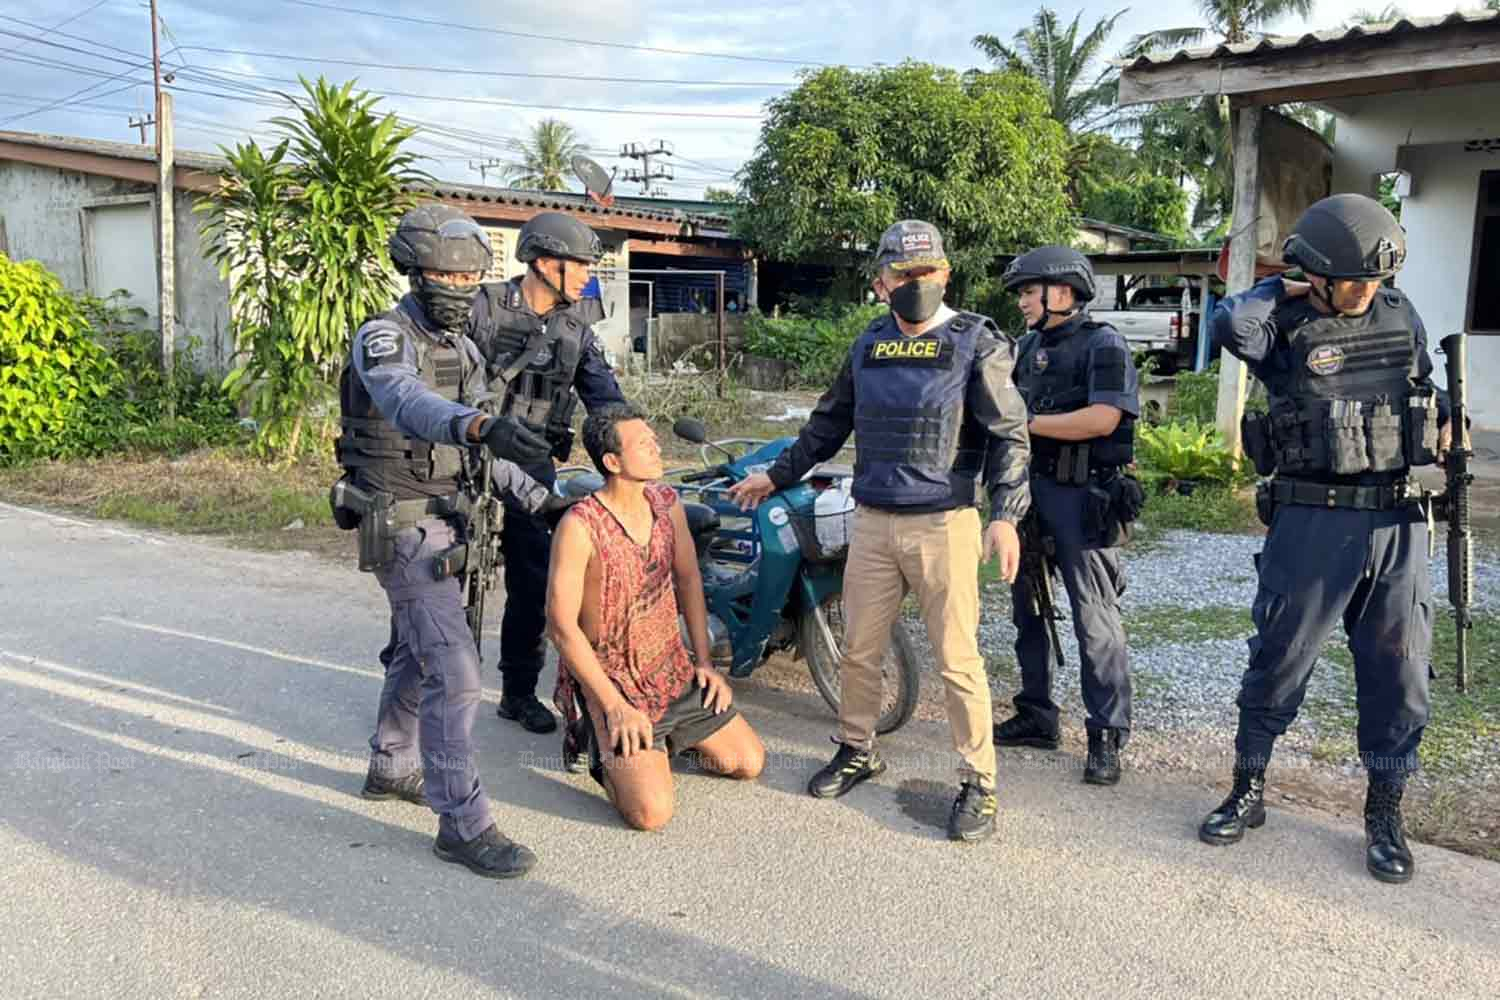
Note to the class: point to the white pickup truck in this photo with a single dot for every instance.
(1160, 322)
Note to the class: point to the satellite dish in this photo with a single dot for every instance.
(596, 182)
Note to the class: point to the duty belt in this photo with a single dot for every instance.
(1070, 459)
(1308, 493)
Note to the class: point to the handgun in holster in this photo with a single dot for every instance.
(377, 522)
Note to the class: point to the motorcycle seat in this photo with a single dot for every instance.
(702, 522)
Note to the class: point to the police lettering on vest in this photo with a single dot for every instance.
(370, 447)
(915, 446)
(1348, 404)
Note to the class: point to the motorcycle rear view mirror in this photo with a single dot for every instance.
(690, 429)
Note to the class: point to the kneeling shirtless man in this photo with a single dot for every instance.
(621, 561)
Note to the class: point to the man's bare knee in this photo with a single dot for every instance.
(650, 814)
(751, 762)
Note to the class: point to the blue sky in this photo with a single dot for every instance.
(708, 109)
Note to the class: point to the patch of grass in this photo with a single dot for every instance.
(1162, 625)
(222, 491)
(1216, 509)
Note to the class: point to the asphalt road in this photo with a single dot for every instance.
(182, 740)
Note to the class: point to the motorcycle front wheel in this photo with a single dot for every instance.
(820, 633)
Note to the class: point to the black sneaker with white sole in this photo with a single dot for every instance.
(850, 766)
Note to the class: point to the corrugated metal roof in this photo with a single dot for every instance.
(214, 163)
(1278, 43)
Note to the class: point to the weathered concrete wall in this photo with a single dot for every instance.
(1423, 133)
(43, 212)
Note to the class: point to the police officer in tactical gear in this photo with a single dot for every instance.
(541, 358)
(1352, 409)
(408, 429)
(1081, 390)
(927, 393)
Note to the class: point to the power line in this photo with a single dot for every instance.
(464, 71)
(62, 103)
(551, 38)
(493, 102)
(67, 20)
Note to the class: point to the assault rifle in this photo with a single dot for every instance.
(1456, 502)
(476, 560)
(1037, 555)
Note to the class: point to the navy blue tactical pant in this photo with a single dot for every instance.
(526, 544)
(432, 685)
(1093, 579)
(1370, 569)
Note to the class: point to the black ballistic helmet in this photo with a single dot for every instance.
(1054, 265)
(1347, 236)
(436, 237)
(557, 234)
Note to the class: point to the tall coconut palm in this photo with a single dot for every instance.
(1232, 20)
(1061, 61)
(546, 157)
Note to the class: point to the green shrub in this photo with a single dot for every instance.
(145, 411)
(815, 343)
(50, 367)
(1187, 451)
(1195, 395)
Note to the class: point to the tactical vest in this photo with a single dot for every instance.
(1054, 378)
(531, 361)
(914, 446)
(1348, 404)
(378, 454)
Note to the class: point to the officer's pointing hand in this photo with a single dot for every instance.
(516, 441)
(1000, 538)
(751, 490)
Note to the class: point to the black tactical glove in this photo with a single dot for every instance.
(516, 441)
(554, 507)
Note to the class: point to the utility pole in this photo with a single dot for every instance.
(166, 190)
(645, 175)
(484, 165)
(141, 123)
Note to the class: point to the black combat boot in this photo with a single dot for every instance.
(491, 854)
(1103, 764)
(529, 712)
(1245, 808)
(848, 768)
(575, 746)
(1023, 730)
(973, 815)
(408, 787)
(1386, 853)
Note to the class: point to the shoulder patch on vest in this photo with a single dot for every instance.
(913, 352)
(1326, 360)
(382, 344)
(1109, 364)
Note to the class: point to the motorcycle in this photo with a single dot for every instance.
(773, 578)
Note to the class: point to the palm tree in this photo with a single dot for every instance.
(1233, 20)
(1363, 17)
(1060, 61)
(546, 157)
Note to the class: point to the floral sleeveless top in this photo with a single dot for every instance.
(639, 642)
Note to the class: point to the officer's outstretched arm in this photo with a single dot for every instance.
(995, 403)
(826, 430)
(386, 362)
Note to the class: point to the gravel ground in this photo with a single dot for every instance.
(1184, 692)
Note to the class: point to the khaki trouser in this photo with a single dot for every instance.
(937, 557)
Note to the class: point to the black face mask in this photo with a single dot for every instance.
(445, 305)
(917, 301)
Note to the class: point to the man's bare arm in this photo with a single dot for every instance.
(572, 551)
(689, 581)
